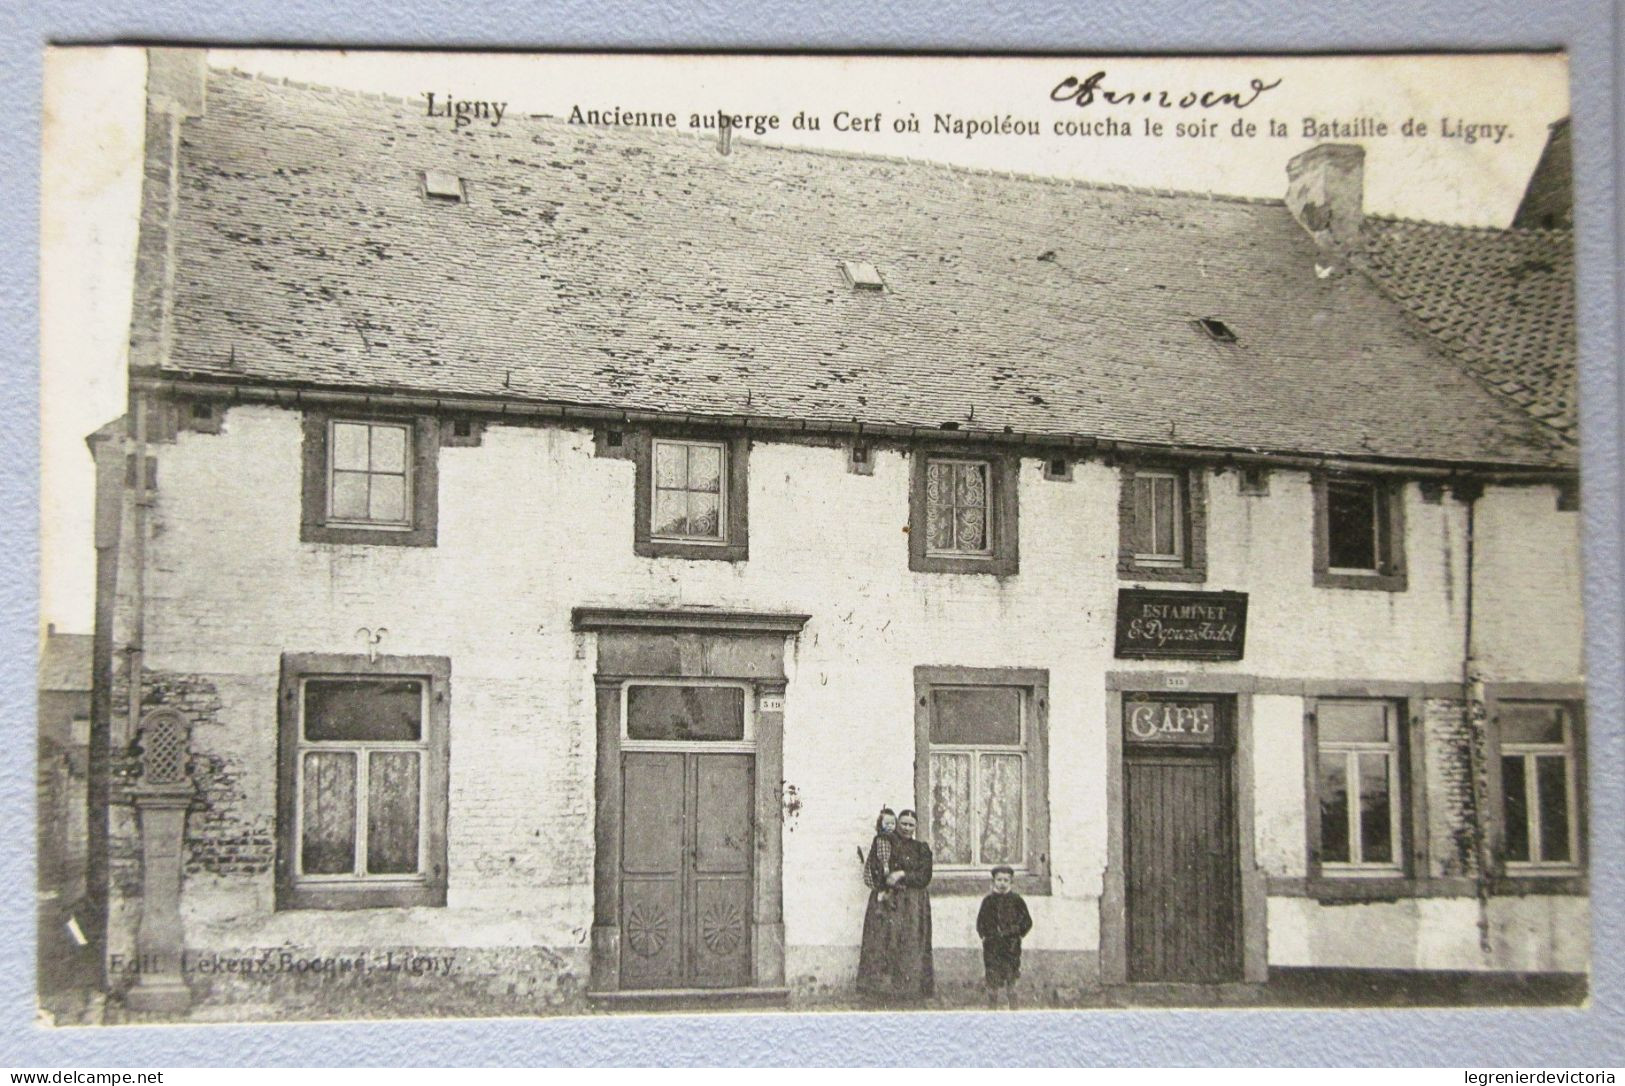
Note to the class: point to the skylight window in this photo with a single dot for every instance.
(443, 185)
(1216, 329)
(862, 276)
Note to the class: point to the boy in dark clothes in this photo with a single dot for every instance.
(1001, 923)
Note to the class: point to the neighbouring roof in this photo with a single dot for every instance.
(646, 271)
(1501, 302)
(1549, 198)
(64, 662)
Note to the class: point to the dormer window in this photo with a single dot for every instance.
(861, 275)
(443, 185)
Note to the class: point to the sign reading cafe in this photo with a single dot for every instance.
(1170, 722)
(1155, 624)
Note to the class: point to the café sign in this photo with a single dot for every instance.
(1170, 723)
(1156, 624)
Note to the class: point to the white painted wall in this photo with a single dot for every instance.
(531, 525)
(1527, 577)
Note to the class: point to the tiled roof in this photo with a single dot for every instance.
(645, 271)
(64, 662)
(1500, 301)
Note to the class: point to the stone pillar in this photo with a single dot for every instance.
(161, 800)
(161, 812)
(767, 928)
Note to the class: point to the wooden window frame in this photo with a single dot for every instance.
(733, 514)
(1528, 877)
(1190, 567)
(1389, 576)
(422, 482)
(1003, 556)
(1396, 750)
(294, 891)
(1033, 873)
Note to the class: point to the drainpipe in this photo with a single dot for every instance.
(138, 557)
(1472, 689)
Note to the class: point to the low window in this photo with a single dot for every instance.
(1539, 785)
(369, 480)
(1358, 790)
(982, 747)
(962, 515)
(362, 783)
(1162, 524)
(1359, 534)
(692, 496)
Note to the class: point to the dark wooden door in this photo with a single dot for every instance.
(686, 890)
(1183, 894)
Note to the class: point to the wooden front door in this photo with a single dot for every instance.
(686, 880)
(1183, 896)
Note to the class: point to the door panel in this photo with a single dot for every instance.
(721, 878)
(688, 838)
(1182, 881)
(652, 833)
(652, 870)
(723, 814)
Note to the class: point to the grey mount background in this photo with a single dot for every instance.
(1588, 29)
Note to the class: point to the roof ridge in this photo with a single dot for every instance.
(827, 152)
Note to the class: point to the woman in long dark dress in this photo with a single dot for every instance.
(874, 957)
(910, 912)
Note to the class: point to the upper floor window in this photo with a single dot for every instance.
(1539, 785)
(1359, 534)
(362, 782)
(692, 495)
(690, 498)
(1359, 796)
(1159, 518)
(369, 480)
(1162, 524)
(957, 517)
(963, 514)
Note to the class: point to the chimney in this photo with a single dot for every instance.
(1325, 192)
(176, 81)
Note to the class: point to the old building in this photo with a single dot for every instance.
(61, 771)
(539, 551)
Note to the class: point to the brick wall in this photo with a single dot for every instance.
(531, 524)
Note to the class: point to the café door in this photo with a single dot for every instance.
(1182, 892)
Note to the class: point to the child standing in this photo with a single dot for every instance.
(1001, 923)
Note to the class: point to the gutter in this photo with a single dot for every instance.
(243, 392)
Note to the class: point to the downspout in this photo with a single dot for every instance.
(1472, 690)
(138, 560)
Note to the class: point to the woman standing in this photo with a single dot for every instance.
(910, 912)
(875, 963)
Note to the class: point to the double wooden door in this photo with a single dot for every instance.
(1183, 876)
(687, 844)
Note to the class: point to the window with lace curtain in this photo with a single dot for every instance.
(962, 514)
(981, 799)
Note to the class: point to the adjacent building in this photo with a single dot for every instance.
(535, 552)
